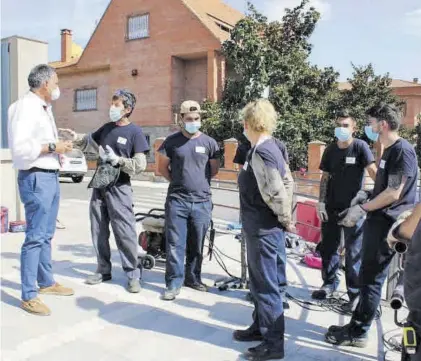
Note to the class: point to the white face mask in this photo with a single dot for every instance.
(116, 113)
(55, 94)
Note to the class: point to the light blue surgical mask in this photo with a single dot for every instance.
(343, 134)
(370, 133)
(116, 113)
(192, 127)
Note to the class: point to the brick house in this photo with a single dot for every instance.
(163, 51)
(408, 91)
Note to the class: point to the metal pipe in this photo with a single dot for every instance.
(397, 298)
(400, 247)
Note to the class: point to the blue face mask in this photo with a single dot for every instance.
(370, 133)
(343, 134)
(192, 127)
(115, 113)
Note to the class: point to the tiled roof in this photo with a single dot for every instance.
(396, 83)
(77, 51)
(215, 15)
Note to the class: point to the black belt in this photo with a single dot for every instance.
(36, 169)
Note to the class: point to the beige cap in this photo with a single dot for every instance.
(190, 106)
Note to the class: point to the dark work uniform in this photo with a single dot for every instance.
(188, 205)
(240, 158)
(346, 174)
(115, 204)
(399, 158)
(243, 148)
(265, 240)
(412, 285)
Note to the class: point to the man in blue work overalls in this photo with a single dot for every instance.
(394, 192)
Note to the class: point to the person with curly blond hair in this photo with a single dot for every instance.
(266, 215)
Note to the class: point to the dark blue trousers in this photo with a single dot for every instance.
(328, 248)
(186, 224)
(376, 257)
(265, 273)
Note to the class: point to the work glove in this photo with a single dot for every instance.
(102, 154)
(351, 216)
(321, 212)
(393, 235)
(112, 157)
(360, 198)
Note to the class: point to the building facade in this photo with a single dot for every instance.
(165, 52)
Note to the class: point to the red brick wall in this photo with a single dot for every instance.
(412, 97)
(196, 79)
(174, 30)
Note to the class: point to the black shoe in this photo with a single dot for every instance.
(335, 328)
(264, 352)
(98, 278)
(347, 336)
(248, 335)
(323, 293)
(197, 286)
(351, 305)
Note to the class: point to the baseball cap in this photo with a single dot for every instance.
(190, 106)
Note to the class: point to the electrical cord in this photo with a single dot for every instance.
(392, 343)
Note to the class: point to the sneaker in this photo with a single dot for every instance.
(133, 286)
(170, 294)
(36, 307)
(247, 335)
(60, 225)
(201, 287)
(57, 289)
(323, 293)
(347, 336)
(98, 278)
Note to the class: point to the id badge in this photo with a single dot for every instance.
(201, 150)
(350, 160)
(382, 164)
(121, 140)
(245, 166)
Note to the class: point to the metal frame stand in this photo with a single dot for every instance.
(236, 282)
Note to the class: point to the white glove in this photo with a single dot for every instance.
(360, 198)
(102, 154)
(112, 157)
(353, 215)
(321, 212)
(391, 239)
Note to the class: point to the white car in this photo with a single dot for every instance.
(73, 165)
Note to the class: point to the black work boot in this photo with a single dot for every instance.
(264, 352)
(247, 335)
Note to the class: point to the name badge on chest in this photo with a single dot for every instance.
(382, 164)
(121, 140)
(245, 166)
(201, 150)
(350, 160)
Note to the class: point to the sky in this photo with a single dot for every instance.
(386, 33)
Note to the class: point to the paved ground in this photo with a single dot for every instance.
(105, 323)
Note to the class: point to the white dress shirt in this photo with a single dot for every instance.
(31, 124)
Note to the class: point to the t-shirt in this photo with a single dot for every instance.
(243, 148)
(399, 158)
(125, 141)
(256, 216)
(346, 172)
(412, 274)
(189, 165)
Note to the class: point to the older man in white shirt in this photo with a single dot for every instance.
(35, 148)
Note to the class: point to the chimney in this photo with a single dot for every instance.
(66, 45)
(416, 80)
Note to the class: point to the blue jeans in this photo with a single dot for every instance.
(376, 258)
(328, 248)
(266, 271)
(186, 224)
(40, 194)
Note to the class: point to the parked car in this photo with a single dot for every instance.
(73, 165)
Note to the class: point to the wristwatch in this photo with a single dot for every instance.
(51, 147)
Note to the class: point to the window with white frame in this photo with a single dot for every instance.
(85, 99)
(138, 27)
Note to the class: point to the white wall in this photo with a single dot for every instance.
(24, 55)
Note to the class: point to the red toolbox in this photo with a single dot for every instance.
(308, 233)
(307, 213)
